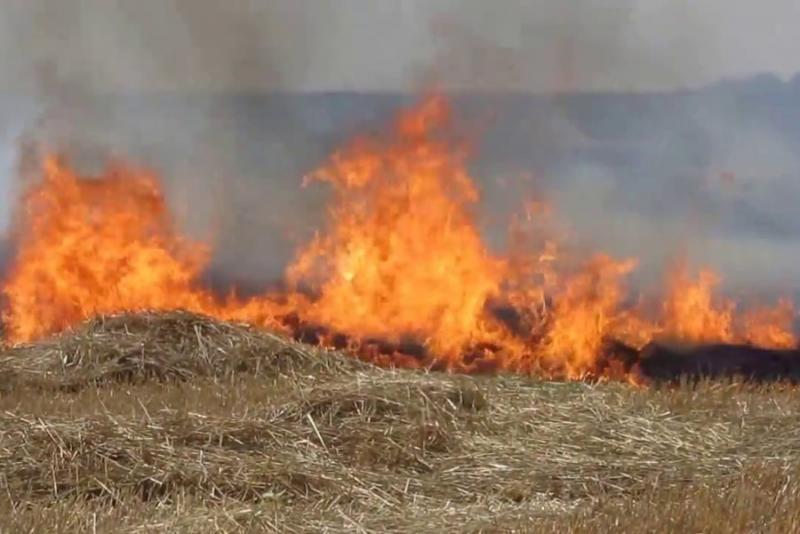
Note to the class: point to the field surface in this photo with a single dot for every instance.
(173, 422)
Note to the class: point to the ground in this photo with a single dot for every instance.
(173, 422)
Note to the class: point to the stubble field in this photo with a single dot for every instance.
(174, 422)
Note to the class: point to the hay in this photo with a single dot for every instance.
(162, 346)
(215, 426)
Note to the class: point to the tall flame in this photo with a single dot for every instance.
(400, 258)
(402, 255)
(95, 246)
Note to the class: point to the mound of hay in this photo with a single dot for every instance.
(161, 346)
(176, 422)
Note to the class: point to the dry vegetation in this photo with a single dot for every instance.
(177, 423)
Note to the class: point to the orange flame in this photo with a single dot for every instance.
(400, 258)
(94, 246)
(587, 310)
(690, 313)
(99, 245)
(771, 327)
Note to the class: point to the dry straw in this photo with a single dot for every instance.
(153, 422)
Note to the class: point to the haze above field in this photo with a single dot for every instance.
(351, 45)
(645, 175)
(233, 102)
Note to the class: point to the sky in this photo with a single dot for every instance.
(311, 45)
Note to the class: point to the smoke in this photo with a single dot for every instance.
(712, 175)
(152, 45)
(213, 95)
(570, 46)
(351, 45)
(636, 163)
(167, 84)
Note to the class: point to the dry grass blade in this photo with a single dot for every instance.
(163, 346)
(175, 422)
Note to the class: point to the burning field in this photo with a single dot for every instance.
(405, 377)
(399, 276)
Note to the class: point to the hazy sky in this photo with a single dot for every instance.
(62, 53)
(393, 44)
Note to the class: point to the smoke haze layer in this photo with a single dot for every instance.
(233, 102)
(351, 45)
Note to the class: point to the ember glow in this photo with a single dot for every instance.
(399, 274)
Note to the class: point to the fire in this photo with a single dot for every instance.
(690, 312)
(587, 310)
(94, 246)
(400, 260)
(98, 245)
(402, 256)
(771, 327)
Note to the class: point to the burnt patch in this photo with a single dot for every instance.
(662, 362)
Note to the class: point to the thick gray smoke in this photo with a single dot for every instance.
(217, 96)
(168, 84)
(642, 148)
(352, 45)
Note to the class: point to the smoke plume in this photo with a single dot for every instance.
(232, 102)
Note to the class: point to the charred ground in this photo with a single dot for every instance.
(155, 422)
(661, 361)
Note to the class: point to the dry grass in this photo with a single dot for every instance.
(175, 422)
